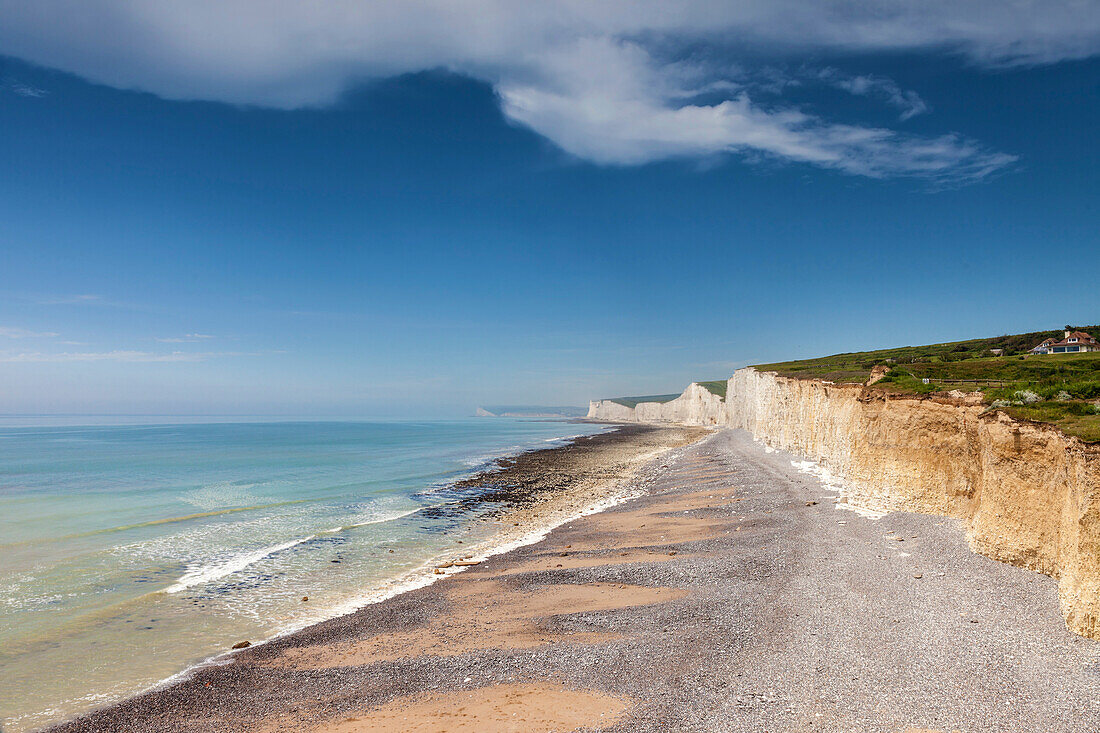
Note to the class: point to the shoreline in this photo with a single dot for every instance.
(731, 593)
(538, 490)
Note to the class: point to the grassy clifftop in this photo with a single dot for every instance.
(633, 401)
(717, 387)
(856, 367)
(1062, 389)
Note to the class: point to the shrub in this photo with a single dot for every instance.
(1027, 397)
(1048, 391)
(1085, 390)
(895, 374)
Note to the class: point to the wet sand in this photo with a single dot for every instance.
(732, 595)
(511, 708)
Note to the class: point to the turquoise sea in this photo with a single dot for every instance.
(130, 552)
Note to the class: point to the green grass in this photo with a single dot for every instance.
(1078, 374)
(899, 380)
(1085, 427)
(633, 401)
(856, 367)
(717, 387)
(1066, 385)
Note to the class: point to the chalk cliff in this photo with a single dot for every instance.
(1027, 494)
(697, 405)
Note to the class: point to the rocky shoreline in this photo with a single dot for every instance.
(532, 491)
(732, 594)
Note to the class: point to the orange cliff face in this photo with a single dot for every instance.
(1027, 494)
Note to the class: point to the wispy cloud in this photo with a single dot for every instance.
(610, 102)
(121, 355)
(20, 89)
(185, 339)
(77, 299)
(605, 81)
(22, 333)
(906, 100)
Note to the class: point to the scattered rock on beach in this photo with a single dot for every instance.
(305, 598)
(242, 644)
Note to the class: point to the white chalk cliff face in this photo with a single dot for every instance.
(696, 406)
(611, 411)
(1027, 493)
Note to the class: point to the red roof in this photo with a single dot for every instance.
(1081, 336)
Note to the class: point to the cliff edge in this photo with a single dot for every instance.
(1027, 493)
(697, 405)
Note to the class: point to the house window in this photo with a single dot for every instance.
(1073, 348)
(1073, 340)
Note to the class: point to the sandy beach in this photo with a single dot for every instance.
(732, 594)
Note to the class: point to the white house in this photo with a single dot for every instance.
(1075, 342)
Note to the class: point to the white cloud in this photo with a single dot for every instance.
(23, 90)
(118, 355)
(22, 333)
(603, 80)
(185, 339)
(608, 102)
(908, 101)
(79, 299)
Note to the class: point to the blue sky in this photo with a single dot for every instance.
(223, 213)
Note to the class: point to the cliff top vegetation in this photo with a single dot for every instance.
(717, 387)
(1062, 389)
(633, 401)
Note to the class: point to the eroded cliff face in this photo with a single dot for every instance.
(611, 411)
(1028, 494)
(696, 406)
